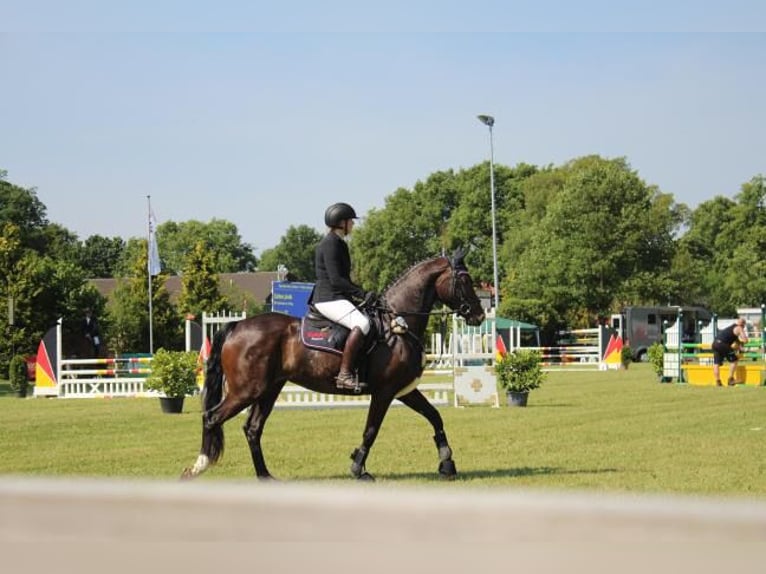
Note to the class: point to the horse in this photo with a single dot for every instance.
(257, 356)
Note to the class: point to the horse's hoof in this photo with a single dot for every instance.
(447, 469)
(366, 477)
(267, 478)
(187, 474)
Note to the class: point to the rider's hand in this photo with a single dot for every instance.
(370, 297)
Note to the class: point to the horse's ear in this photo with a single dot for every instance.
(457, 258)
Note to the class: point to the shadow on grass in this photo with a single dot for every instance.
(484, 474)
(551, 405)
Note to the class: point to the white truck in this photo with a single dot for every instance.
(642, 326)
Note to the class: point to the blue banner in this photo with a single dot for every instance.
(290, 297)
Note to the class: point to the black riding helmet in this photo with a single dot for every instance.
(337, 212)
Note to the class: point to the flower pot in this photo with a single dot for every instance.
(172, 405)
(516, 399)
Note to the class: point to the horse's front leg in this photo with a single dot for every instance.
(379, 404)
(419, 403)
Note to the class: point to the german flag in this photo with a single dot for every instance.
(500, 349)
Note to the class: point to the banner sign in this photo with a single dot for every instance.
(290, 297)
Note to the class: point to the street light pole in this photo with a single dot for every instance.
(489, 121)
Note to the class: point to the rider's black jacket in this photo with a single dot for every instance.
(332, 263)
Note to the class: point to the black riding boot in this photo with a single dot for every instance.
(346, 378)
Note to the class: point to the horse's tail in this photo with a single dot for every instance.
(212, 393)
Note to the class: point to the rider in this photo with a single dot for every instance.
(334, 290)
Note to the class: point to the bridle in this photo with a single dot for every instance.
(457, 293)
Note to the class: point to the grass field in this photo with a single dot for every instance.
(613, 431)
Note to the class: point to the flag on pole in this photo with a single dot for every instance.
(500, 349)
(154, 254)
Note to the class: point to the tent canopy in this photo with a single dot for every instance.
(503, 323)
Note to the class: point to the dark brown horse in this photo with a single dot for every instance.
(257, 356)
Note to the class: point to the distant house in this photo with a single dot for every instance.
(257, 285)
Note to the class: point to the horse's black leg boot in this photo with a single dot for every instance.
(447, 467)
(358, 458)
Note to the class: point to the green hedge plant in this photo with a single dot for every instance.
(17, 375)
(520, 371)
(174, 373)
(656, 354)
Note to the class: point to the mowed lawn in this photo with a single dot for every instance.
(602, 431)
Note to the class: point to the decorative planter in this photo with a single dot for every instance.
(172, 405)
(516, 399)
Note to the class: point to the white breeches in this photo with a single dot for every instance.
(344, 312)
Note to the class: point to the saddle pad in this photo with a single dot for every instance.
(323, 335)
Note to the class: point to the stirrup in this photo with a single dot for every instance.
(350, 382)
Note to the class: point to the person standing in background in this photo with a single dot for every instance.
(726, 346)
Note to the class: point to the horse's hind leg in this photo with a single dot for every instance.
(253, 428)
(419, 403)
(212, 435)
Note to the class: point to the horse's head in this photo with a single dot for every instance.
(454, 288)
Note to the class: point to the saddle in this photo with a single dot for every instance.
(321, 334)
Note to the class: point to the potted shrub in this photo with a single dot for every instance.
(518, 373)
(626, 356)
(656, 355)
(174, 375)
(17, 375)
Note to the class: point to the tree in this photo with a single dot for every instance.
(22, 207)
(295, 251)
(743, 275)
(470, 223)
(200, 292)
(42, 290)
(601, 228)
(61, 244)
(100, 256)
(221, 238)
(128, 309)
(410, 228)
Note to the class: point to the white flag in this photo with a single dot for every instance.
(154, 254)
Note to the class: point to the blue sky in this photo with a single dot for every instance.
(264, 116)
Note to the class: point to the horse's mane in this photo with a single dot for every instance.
(404, 274)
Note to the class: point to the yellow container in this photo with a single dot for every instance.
(752, 374)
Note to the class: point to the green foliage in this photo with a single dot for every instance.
(174, 373)
(230, 254)
(410, 229)
(17, 374)
(602, 226)
(200, 292)
(656, 354)
(42, 290)
(626, 356)
(128, 313)
(23, 208)
(295, 251)
(99, 256)
(520, 371)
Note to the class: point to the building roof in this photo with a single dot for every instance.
(257, 284)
